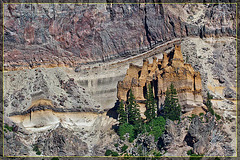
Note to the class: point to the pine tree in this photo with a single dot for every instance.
(153, 103)
(150, 112)
(209, 103)
(133, 110)
(172, 109)
(121, 113)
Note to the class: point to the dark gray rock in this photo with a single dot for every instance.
(62, 142)
(165, 140)
(221, 79)
(233, 129)
(199, 135)
(77, 69)
(228, 150)
(144, 143)
(230, 68)
(229, 93)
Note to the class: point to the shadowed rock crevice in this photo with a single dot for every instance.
(190, 140)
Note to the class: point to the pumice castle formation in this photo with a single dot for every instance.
(160, 74)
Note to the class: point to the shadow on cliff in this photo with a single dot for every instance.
(113, 111)
(113, 114)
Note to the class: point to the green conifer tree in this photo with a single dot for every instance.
(172, 109)
(209, 103)
(122, 116)
(133, 110)
(151, 105)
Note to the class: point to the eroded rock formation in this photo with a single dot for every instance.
(160, 74)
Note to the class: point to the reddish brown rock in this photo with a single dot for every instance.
(70, 35)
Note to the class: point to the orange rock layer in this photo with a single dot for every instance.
(160, 74)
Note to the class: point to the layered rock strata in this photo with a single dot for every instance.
(51, 35)
(160, 74)
(45, 89)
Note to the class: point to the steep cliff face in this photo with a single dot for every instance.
(52, 97)
(71, 34)
(63, 110)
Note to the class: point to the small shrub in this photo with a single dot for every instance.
(193, 116)
(211, 111)
(116, 145)
(55, 158)
(157, 154)
(201, 119)
(38, 153)
(124, 148)
(36, 149)
(9, 128)
(217, 116)
(201, 114)
(115, 154)
(108, 152)
(190, 152)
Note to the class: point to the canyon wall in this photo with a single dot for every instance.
(83, 50)
(38, 35)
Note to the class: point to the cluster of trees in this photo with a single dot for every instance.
(130, 119)
(172, 109)
(129, 114)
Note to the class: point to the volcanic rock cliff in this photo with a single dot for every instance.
(160, 74)
(38, 35)
(60, 85)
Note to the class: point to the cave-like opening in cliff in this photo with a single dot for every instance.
(139, 74)
(145, 91)
(113, 111)
(155, 87)
(194, 82)
(128, 93)
(170, 57)
(190, 140)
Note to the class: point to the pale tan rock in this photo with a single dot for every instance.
(171, 69)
